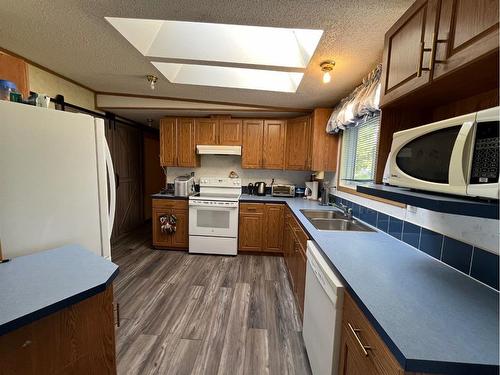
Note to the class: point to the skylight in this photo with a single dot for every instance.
(223, 76)
(237, 44)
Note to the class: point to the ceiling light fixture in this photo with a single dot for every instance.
(326, 68)
(152, 80)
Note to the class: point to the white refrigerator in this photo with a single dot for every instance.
(54, 169)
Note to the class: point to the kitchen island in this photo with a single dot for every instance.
(56, 313)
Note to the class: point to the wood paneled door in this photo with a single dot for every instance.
(298, 136)
(253, 135)
(168, 142)
(230, 132)
(15, 70)
(408, 50)
(251, 227)
(186, 143)
(467, 30)
(273, 149)
(126, 153)
(206, 131)
(273, 223)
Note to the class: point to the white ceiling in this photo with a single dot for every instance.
(72, 37)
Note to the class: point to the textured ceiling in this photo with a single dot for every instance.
(71, 37)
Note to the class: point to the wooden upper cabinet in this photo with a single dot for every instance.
(408, 49)
(253, 135)
(230, 132)
(274, 144)
(324, 146)
(15, 70)
(206, 131)
(186, 144)
(168, 142)
(297, 149)
(468, 29)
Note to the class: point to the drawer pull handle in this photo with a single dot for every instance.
(364, 348)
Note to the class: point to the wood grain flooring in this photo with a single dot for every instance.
(203, 314)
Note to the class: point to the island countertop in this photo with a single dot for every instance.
(432, 317)
(37, 285)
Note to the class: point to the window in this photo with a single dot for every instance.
(359, 153)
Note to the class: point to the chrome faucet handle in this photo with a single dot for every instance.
(349, 213)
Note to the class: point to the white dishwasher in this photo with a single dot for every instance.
(324, 296)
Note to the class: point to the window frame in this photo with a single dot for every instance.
(351, 188)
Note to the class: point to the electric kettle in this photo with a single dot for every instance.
(260, 188)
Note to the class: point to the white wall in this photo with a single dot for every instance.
(221, 165)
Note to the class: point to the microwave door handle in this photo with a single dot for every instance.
(459, 157)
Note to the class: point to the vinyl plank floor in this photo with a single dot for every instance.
(204, 314)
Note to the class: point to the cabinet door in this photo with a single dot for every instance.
(300, 284)
(288, 246)
(407, 50)
(274, 227)
(181, 237)
(297, 154)
(253, 134)
(273, 153)
(230, 132)
(168, 142)
(160, 238)
(206, 131)
(467, 30)
(251, 231)
(186, 145)
(15, 70)
(352, 360)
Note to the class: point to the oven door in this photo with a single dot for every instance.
(433, 157)
(213, 221)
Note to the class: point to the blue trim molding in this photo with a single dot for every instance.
(473, 261)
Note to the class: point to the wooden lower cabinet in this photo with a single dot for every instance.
(294, 250)
(273, 224)
(261, 227)
(179, 239)
(77, 340)
(362, 350)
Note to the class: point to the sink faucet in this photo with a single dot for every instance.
(347, 211)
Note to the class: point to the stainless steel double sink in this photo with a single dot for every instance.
(334, 220)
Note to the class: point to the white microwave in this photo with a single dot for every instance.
(454, 156)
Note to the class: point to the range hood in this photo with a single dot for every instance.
(218, 150)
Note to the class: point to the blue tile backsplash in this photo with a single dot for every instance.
(457, 254)
(473, 261)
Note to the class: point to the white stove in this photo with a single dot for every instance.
(213, 216)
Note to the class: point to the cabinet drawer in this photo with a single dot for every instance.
(252, 208)
(170, 203)
(357, 327)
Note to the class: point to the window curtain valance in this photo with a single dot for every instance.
(360, 105)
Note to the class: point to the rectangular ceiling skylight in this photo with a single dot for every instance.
(237, 44)
(223, 76)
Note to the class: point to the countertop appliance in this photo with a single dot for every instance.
(282, 190)
(312, 193)
(324, 297)
(184, 186)
(251, 189)
(455, 156)
(260, 188)
(54, 192)
(213, 216)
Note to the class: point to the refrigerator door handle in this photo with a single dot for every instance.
(112, 188)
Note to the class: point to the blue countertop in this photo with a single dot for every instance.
(432, 317)
(37, 285)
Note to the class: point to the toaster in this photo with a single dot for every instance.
(184, 186)
(283, 190)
